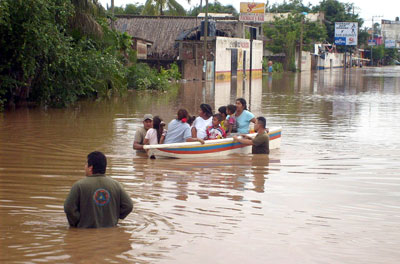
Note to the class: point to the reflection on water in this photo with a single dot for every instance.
(330, 194)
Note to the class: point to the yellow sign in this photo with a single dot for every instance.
(251, 7)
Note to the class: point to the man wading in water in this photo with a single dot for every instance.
(97, 200)
(260, 142)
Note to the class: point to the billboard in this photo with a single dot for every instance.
(346, 33)
(390, 43)
(252, 12)
(371, 42)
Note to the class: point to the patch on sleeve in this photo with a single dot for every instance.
(101, 197)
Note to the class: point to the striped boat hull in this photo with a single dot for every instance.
(211, 148)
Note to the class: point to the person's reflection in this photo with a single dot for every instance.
(84, 245)
(260, 168)
(182, 189)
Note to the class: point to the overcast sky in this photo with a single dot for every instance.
(385, 9)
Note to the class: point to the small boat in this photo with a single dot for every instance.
(211, 148)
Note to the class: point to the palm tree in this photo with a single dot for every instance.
(84, 18)
(157, 8)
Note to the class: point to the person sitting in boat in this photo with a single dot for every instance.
(216, 131)
(260, 143)
(190, 121)
(155, 135)
(222, 111)
(179, 130)
(203, 121)
(141, 132)
(243, 116)
(231, 119)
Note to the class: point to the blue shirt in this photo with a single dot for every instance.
(177, 132)
(243, 122)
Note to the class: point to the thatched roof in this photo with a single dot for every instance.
(164, 30)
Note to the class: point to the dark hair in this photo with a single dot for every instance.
(231, 108)
(222, 110)
(191, 120)
(182, 113)
(206, 108)
(262, 120)
(242, 102)
(157, 126)
(99, 162)
(218, 116)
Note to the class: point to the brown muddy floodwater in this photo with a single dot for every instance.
(331, 194)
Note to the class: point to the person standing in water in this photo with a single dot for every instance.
(260, 143)
(97, 200)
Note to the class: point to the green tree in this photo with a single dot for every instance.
(363, 37)
(336, 11)
(83, 21)
(284, 33)
(42, 62)
(134, 9)
(215, 7)
(294, 6)
(130, 9)
(163, 7)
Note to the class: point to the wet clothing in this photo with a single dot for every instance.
(177, 132)
(139, 137)
(97, 201)
(215, 133)
(243, 122)
(260, 144)
(201, 125)
(231, 120)
(151, 135)
(223, 124)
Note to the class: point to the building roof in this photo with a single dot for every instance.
(164, 30)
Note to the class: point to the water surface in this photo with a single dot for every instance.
(329, 195)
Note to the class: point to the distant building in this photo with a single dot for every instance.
(215, 15)
(391, 31)
(312, 17)
(227, 58)
(162, 31)
(141, 46)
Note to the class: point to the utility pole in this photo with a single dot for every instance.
(300, 45)
(299, 59)
(205, 41)
(112, 15)
(252, 36)
(373, 32)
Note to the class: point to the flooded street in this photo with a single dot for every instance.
(331, 194)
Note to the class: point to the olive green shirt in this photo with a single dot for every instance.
(97, 201)
(139, 137)
(261, 144)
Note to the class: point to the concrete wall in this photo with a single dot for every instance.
(224, 47)
(313, 17)
(331, 60)
(305, 60)
(191, 55)
(391, 30)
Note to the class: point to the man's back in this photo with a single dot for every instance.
(97, 201)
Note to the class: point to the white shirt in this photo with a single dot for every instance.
(201, 126)
(151, 135)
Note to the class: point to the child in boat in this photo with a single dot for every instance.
(190, 120)
(215, 131)
(231, 119)
(155, 135)
(222, 111)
